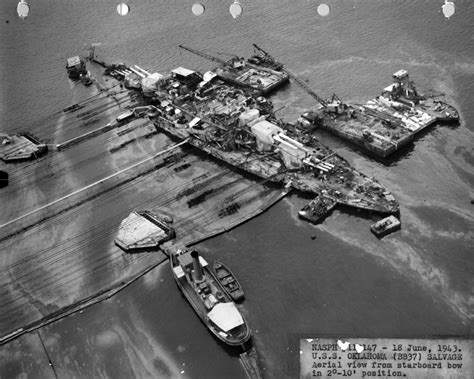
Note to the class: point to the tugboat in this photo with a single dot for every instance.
(228, 281)
(208, 298)
(317, 209)
(385, 226)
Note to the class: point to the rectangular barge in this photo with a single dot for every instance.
(261, 79)
(385, 124)
(364, 129)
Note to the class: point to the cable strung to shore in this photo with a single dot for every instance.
(47, 254)
(47, 355)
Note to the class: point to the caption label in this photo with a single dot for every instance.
(385, 357)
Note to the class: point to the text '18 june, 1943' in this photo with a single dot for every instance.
(385, 358)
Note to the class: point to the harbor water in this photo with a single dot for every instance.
(333, 279)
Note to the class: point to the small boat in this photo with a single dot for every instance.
(75, 66)
(318, 208)
(228, 281)
(385, 226)
(85, 79)
(208, 297)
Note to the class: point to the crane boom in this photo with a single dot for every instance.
(263, 51)
(204, 55)
(307, 88)
(293, 76)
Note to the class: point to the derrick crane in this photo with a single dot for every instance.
(263, 52)
(267, 57)
(308, 90)
(204, 55)
(293, 76)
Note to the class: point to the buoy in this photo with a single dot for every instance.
(235, 9)
(123, 9)
(198, 9)
(323, 9)
(448, 8)
(23, 9)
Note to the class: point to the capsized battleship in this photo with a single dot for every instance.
(234, 127)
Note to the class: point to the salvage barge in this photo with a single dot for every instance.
(385, 124)
(260, 75)
(402, 101)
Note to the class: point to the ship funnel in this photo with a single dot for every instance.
(197, 266)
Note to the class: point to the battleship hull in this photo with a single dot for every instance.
(272, 170)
